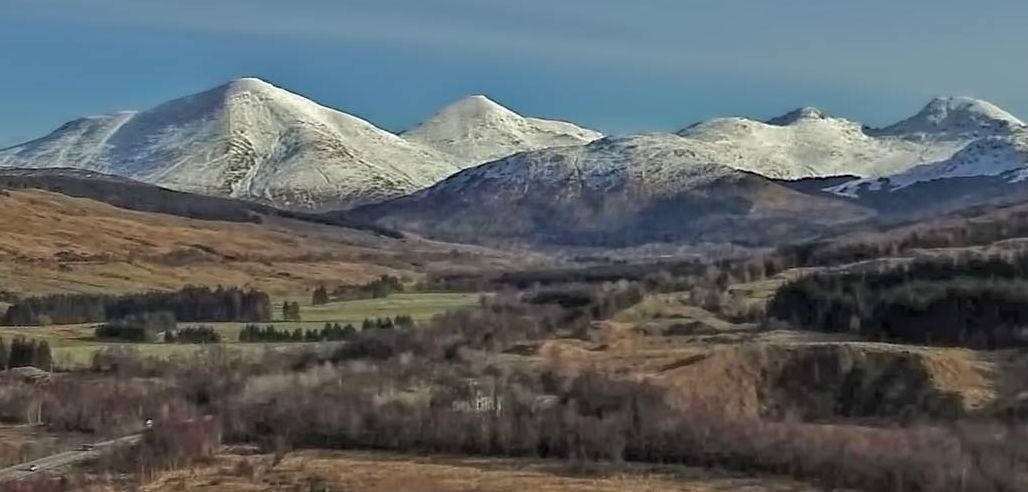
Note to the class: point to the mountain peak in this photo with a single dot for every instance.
(941, 109)
(477, 129)
(475, 106)
(956, 117)
(804, 113)
(245, 138)
(254, 81)
(250, 84)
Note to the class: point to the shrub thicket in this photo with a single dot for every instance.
(977, 303)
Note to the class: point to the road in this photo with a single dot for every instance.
(65, 459)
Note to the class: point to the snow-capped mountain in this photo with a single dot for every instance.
(1002, 156)
(245, 139)
(617, 190)
(660, 164)
(991, 142)
(954, 118)
(806, 143)
(710, 181)
(477, 129)
(251, 140)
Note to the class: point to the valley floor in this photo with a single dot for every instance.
(382, 472)
(73, 346)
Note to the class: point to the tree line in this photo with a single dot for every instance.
(331, 332)
(253, 333)
(291, 311)
(24, 353)
(138, 328)
(190, 304)
(974, 226)
(380, 287)
(193, 334)
(966, 301)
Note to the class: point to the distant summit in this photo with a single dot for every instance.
(1002, 156)
(804, 113)
(476, 129)
(954, 117)
(986, 141)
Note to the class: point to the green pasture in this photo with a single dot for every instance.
(74, 345)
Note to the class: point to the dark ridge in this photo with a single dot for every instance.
(816, 185)
(134, 195)
(944, 196)
(743, 209)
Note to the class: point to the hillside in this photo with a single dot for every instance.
(708, 183)
(51, 242)
(244, 139)
(612, 192)
(134, 195)
(992, 145)
(1003, 158)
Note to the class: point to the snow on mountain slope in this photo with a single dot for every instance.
(78, 143)
(802, 143)
(989, 156)
(616, 190)
(476, 130)
(660, 164)
(989, 141)
(249, 139)
(954, 118)
(806, 143)
(245, 139)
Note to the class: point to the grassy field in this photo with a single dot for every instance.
(421, 306)
(74, 345)
(385, 472)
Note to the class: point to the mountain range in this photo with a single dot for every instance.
(617, 191)
(249, 139)
(478, 170)
(791, 178)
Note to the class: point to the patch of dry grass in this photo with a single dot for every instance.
(737, 368)
(379, 472)
(54, 243)
(20, 443)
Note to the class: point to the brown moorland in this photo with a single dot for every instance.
(51, 242)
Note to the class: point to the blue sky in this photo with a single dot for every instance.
(616, 65)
